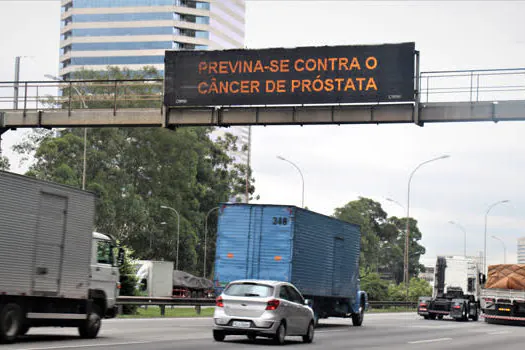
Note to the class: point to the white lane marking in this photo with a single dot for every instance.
(89, 345)
(500, 332)
(429, 340)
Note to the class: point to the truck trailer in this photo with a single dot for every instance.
(54, 270)
(456, 290)
(316, 253)
(503, 295)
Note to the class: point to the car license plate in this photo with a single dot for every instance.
(241, 324)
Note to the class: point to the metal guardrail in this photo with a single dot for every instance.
(199, 302)
(483, 85)
(392, 304)
(435, 86)
(79, 94)
(139, 300)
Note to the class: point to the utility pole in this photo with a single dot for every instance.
(248, 164)
(17, 80)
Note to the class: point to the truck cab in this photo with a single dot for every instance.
(456, 290)
(105, 278)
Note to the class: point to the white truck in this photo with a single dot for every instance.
(503, 295)
(54, 270)
(456, 291)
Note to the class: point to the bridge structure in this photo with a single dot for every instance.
(490, 95)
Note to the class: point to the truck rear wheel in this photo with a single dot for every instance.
(89, 329)
(11, 318)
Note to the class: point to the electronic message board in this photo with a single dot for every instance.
(303, 75)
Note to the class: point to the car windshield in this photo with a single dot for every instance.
(249, 290)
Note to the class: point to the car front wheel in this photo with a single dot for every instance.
(218, 335)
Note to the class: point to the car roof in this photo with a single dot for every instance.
(267, 282)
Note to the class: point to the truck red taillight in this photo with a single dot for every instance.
(219, 302)
(272, 305)
(423, 304)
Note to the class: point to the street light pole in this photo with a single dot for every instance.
(485, 235)
(178, 234)
(300, 172)
(504, 248)
(206, 239)
(84, 105)
(407, 231)
(396, 202)
(465, 232)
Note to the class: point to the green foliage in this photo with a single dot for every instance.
(383, 239)
(134, 171)
(128, 280)
(375, 287)
(417, 288)
(4, 163)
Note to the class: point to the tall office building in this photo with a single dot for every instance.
(521, 250)
(136, 33)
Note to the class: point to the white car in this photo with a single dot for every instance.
(271, 309)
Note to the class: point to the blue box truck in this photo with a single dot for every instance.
(317, 253)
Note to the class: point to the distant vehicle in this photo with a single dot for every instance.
(271, 309)
(456, 290)
(54, 270)
(155, 278)
(503, 296)
(316, 253)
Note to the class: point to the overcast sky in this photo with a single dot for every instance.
(340, 163)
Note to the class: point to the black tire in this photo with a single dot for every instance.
(280, 335)
(440, 317)
(23, 331)
(91, 326)
(357, 319)
(11, 322)
(218, 335)
(309, 336)
(252, 337)
(426, 317)
(432, 316)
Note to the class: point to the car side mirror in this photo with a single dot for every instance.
(308, 302)
(120, 259)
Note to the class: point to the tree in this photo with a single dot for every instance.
(383, 239)
(375, 287)
(128, 280)
(134, 171)
(4, 163)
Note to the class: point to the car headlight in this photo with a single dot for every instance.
(221, 321)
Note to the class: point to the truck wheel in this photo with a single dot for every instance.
(24, 330)
(90, 327)
(10, 323)
(440, 317)
(357, 319)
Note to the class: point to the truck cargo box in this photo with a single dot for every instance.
(317, 253)
(506, 276)
(157, 277)
(46, 238)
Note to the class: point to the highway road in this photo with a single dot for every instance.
(400, 331)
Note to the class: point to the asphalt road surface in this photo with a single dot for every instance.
(402, 331)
